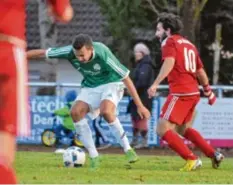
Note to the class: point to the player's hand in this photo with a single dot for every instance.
(152, 91)
(143, 112)
(209, 94)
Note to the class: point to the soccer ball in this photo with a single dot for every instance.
(74, 157)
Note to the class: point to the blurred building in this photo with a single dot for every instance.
(88, 19)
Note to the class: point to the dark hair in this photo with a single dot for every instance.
(82, 40)
(171, 21)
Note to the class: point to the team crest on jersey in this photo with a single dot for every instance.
(96, 67)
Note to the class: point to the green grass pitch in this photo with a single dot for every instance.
(47, 168)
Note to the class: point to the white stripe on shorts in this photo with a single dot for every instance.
(170, 107)
(23, 119)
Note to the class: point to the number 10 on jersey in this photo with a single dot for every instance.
(190, 60)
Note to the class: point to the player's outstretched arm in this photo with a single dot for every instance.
(166, 68)
(51, 53)
(204, 81)
(36, 53)
(142, 110)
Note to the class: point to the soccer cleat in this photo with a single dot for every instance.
(217, 159)
(192, 165)
(94, 163)
(131, 156)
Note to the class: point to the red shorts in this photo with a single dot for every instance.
(14, 114)
(179, 109)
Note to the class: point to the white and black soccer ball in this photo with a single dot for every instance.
(74, 157)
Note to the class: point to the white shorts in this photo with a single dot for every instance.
(94, 96)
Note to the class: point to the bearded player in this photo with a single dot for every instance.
(14, 114)
(184, 69)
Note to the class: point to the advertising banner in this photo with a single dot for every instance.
(215, 123)
(42, 108)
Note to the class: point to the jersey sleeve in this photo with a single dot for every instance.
(114, 63)
(168, 49)
(59, 53)
(199, 62)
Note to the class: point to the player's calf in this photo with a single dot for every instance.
(79, 111)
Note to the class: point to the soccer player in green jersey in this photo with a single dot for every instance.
(102, 89)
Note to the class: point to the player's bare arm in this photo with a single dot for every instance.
(202, 77)
(167, 66)
(36, 53)
(142, 110)
(204, 81)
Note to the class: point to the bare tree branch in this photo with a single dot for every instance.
(159, 5)
(152, 7)
(199, 9)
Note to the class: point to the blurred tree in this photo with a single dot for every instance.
(199, 18)
(218, 12)
(189, 11)
(122, 16)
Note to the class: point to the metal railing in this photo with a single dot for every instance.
(59, 86)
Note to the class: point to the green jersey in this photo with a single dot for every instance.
(103, 68)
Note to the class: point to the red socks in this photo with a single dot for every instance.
(176, 143)
(194, 136)
(7, 174)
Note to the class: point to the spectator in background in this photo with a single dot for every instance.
(143, 77)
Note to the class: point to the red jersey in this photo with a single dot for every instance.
(13, 17)
(182, 78)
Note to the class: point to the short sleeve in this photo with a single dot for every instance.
(168, 49)
(199, 62)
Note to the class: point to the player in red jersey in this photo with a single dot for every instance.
(184, 70)
(14, 114)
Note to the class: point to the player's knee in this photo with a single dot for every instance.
(108, 115)
(159, 131)
(163, 127)
(77, 114)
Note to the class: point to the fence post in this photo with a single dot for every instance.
(220, 92)
(58, 95)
